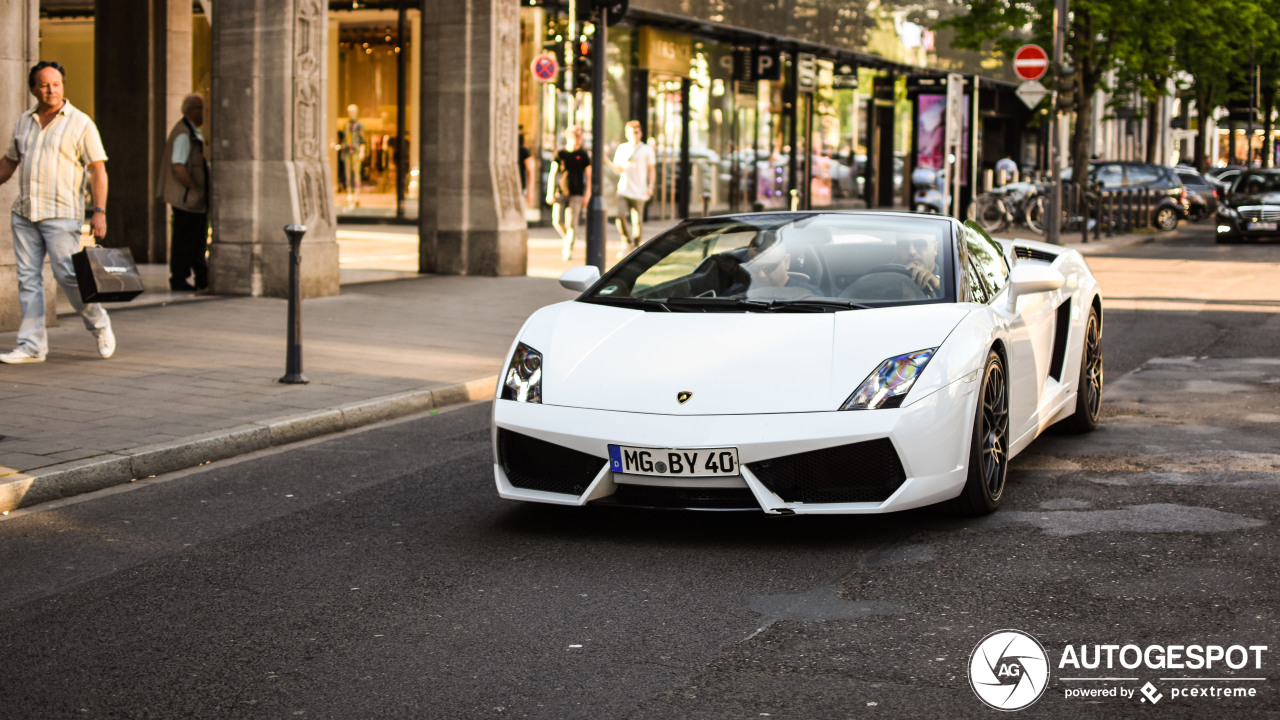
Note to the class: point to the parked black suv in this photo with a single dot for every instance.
(1172, 204)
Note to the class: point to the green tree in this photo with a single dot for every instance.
(1216, 42)
(1096, 39)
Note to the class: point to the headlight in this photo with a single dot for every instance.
(888, 386)
(1228, 211)
(524, 376)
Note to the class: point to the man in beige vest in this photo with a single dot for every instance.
(184, 181)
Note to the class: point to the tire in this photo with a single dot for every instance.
(1035, 215)
(1166, 219)
(1089, 385)
(989, 212)
(989, 447)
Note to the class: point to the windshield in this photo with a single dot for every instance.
(787, 262)
(1256, 183)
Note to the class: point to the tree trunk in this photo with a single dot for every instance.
(1268, 106)
(1153, 130)
(1204, 112)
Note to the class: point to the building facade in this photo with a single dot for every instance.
(416, 111)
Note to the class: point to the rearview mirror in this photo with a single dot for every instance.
(581, 278)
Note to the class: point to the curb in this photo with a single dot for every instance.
(21, 490)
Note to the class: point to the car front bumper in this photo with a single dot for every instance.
(1235, 226)
(930, 440)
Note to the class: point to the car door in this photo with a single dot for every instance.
(1109, 176)
(1029, 341)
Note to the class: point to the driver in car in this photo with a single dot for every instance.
(920, 256)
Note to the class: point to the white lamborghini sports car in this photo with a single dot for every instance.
(801, 362)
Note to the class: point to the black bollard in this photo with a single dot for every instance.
(1112, 217)
(293, 354)
(1096, 196)
(706, 202)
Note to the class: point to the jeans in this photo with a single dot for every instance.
(630, 219)
(60, 239)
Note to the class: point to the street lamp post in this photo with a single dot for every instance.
(596, 216)
(1053, 223)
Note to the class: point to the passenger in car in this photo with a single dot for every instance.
(768, 263)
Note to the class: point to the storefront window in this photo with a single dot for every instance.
(373, 112)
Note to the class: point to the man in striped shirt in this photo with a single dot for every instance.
(52, 148)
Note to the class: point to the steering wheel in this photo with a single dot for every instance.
(891, 267)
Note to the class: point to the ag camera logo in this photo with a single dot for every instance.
(1009, 670)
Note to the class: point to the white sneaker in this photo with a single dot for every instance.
(106, 342)
(17, 356)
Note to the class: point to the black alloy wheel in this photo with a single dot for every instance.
(989, 451)
(1089, 386)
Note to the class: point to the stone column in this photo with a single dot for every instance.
(19, 50)
(173, 64)
(471, 213)
(129, 85)
(268, 151)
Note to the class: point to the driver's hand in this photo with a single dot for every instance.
(927, 281)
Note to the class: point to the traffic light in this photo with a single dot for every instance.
(588, 10)
(583, 67)
(1066, 89)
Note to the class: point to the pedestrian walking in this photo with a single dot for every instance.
(53, 147)
(569, 188)
(1006, 170)
(636, 166)
(185, 186)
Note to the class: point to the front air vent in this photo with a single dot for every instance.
(534, 464)
(860, 472)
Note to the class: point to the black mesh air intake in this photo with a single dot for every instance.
(535, 464)
(1027, 253)
(861, 472)
(682, 498)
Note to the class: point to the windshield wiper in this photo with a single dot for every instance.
(714, 304)
(821, 304)
(630, 302)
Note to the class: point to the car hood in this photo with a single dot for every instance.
(627, 360)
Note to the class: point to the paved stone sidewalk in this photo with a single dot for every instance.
(196, 381)
(195, 378)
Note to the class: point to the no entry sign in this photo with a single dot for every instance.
(1030, 62)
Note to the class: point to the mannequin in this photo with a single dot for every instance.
(352, 150)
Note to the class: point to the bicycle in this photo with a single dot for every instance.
(1005, 206)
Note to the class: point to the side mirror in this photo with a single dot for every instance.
(581, 278)
(1031, 278)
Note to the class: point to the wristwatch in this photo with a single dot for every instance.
(98, 210)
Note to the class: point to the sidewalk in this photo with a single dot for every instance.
(195, 377)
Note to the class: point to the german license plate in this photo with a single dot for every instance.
(1262, 225)
(668, 462)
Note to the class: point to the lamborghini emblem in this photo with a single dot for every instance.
(683, 396)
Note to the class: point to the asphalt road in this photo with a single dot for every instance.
(376, 574)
